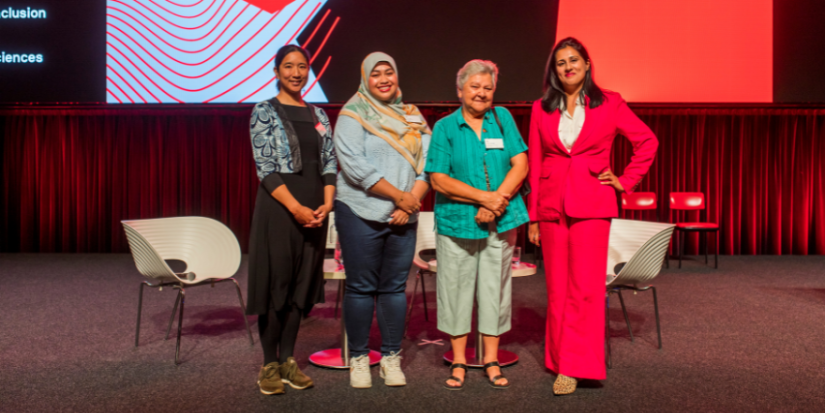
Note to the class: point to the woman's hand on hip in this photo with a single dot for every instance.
(533, 233)
(608, 178)
(399, 217)
(495, 202)
(485, 216)
(408, 203)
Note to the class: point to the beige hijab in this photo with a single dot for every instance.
(388, 121)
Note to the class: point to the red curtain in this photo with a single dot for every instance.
(761, 172)
(69, 176)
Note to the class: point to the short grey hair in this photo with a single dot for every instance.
(474, 67)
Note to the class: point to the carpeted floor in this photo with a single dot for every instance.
(747, 337)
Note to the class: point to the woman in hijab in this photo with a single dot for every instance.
(382, 148)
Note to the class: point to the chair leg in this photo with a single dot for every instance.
(180, 325)
(140, 307)
(243, 311)
(706, 248)
(626, 318)
(681, 247)
(338, 299)
(342, 285)
(667, 252)
(344, 337)
(412, 301)
(172, 317)
(716, 259)
(424, 297)
(608, 356)
(656, 311)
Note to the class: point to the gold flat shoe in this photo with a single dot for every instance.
(564, 385)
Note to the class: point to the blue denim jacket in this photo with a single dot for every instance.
(271, 143)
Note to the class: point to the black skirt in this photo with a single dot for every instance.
(286, 260)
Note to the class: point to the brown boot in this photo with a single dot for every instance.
(293, 376)
(269, 379)
(564, 385)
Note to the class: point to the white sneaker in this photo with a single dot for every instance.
(359, 372)
(391, 370)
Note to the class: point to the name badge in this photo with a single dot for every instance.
(320, 128)
(413, 118)
(494, 143)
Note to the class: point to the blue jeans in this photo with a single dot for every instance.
(377, 259)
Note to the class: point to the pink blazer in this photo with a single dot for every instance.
(567, 183)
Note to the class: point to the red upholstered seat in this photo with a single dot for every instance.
(639, 201)
(687, 200)
(697, 225)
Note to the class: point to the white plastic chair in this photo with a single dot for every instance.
(635, 253)
(332, 233)
(209, 249)
(331, 265)
(425, 240)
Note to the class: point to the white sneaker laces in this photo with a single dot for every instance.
(361, 364)
(393, 361)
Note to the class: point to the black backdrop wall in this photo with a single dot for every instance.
(798, 51)
(69, 176)
(433, 40)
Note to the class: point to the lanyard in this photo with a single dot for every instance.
(498, 122)
(486, 175)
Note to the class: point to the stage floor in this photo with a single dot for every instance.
(747, 337)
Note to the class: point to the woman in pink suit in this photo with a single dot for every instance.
(574, 197)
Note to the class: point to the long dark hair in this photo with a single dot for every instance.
(283, 52)
(553, 91)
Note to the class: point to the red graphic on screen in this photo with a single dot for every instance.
(205, 51)
(270, 6)
(676, 51)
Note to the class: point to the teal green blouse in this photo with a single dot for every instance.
(455, 150)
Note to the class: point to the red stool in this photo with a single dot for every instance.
(692, 201)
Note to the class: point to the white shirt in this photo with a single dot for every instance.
(571, 126)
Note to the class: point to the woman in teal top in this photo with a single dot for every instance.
(477, 163)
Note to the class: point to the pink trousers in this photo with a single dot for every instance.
(575, 257)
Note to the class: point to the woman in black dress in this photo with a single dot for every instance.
(296, 163)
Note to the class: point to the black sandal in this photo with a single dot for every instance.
(493, 380)
(456, 379)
